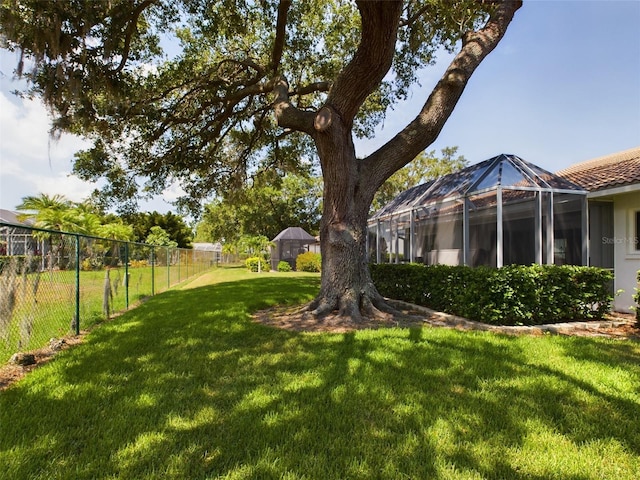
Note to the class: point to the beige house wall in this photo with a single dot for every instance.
(626, 248)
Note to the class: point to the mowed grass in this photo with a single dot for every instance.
(186, 386)
(46, 302)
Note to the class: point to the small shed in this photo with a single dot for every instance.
(288, 244)
(214, 248)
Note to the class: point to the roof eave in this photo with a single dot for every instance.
(609, 191)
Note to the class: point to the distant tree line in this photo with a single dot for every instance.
(56, 212)
(255, 212)
(269, 204)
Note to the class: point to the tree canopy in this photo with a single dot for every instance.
(266, 208)
(56, 212)
(159, 237)
(204, 115)
(174, 225)
(252, 86)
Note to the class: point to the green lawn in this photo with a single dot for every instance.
(186, 386)
(46, 301)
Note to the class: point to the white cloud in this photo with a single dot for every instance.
(71, 187)
(25, 136)
(173, 192)
(30, 161)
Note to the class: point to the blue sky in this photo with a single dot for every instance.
(562, 87)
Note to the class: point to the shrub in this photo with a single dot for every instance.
(138, 263)
(26, 263)
(4, 260)
(309, 262)
(86, 265)
(511, 295)
(253, 262)
(284, 266)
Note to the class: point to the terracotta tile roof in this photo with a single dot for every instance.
(611, 171)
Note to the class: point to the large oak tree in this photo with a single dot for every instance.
(254, 85)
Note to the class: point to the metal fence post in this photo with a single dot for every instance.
(38, 321)
(77, 322)
(153, 272)
(126, 275)
(179, 262)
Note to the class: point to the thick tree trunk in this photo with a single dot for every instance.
(346, 285)
(350, 183)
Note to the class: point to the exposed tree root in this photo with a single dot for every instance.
(301, 319)
(354, 309)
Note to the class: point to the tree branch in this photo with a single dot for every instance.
(247, 63)
(278, 43)
(409, 21)
(312, 88)
(426, 127)
(287, 115)
(131, 27)
(371, 61)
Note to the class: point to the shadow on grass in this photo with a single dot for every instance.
(186, 386)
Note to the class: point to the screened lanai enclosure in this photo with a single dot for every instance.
(498, 212)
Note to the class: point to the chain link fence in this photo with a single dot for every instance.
(54, 284)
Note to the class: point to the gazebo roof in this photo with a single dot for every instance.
(504, 171)
(294, 233)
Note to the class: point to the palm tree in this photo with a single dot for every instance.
(46, 212)
(115, 231)
(84, 218)
(57, 213)
(35, 207)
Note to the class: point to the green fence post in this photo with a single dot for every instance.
(153, 272)
(179, 262)
(126, 275)
(77, 284)
(168, 268)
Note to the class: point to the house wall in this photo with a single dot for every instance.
(626, 208)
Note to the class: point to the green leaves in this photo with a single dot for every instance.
(267, 206)
(512, 295)
(159, 237)
(309, 262)
(202, 115)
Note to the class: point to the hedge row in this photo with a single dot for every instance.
(512, 295)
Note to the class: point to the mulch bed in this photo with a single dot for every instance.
(616, 325)
(11, 373)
